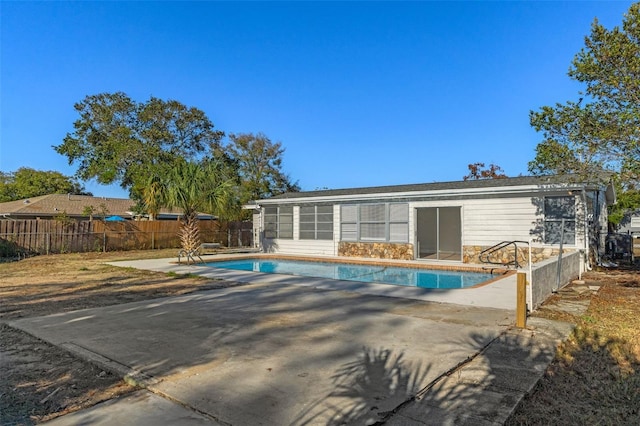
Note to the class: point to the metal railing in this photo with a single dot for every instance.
(485, 255)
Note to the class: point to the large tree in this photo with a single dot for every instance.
(27, 182)
(259, 163)
(118, 140)
(600, 131)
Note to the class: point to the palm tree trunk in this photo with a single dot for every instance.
(190, 232)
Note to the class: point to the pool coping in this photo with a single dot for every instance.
(415, 263)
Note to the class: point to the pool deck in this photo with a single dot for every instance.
(500, 293)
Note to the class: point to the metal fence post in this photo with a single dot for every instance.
(559, 268)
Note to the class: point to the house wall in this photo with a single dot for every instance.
(304, 247)
(301, 247)
(511, 252)
(486, 221)
(489, 221)
(376, 250)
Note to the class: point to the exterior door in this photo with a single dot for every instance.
(439, 233)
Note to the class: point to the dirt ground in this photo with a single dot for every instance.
(40, 382)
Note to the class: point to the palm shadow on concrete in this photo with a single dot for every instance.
(382, 387)
(487, 387)
(367, 389)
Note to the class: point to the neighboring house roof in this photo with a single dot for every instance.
(73, 206)
(468, 187)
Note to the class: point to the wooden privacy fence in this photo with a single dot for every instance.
(24, 237)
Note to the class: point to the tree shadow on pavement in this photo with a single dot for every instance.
(379, 379)
(382, 387)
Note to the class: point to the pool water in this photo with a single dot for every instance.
(411, 277)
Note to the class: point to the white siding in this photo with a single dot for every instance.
(488, 221)
(305, 247)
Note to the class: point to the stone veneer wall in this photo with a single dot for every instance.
(471, 254)
(376, 250)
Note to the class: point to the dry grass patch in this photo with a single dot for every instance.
(59, 283)
(595, 377)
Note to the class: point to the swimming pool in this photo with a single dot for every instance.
(410, 277)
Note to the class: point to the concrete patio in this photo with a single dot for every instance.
(278, 351)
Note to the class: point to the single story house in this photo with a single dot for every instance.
(75, 207)
(630, 224)
(447, 221)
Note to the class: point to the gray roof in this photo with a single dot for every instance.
(540, 181)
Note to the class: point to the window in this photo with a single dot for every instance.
(398, 223)
(316, 222)
(285, 222)
(372, 222)
(278, 222)
(349, 223)
(559, 210)
(375, 222)
(271, 222)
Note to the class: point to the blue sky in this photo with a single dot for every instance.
(359, 93)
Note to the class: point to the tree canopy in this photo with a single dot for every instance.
(600, 131)
(118, 140)
(259, 163)
(479, 171)
(27, 182)
(193, 187)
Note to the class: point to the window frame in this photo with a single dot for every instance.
(352, 222)
(370, 222)
(275, 223)
(315, 223)
(555, 221)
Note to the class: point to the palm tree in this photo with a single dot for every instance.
(152, 196)
(192, 187)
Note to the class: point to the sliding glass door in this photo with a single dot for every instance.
(439, 233)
